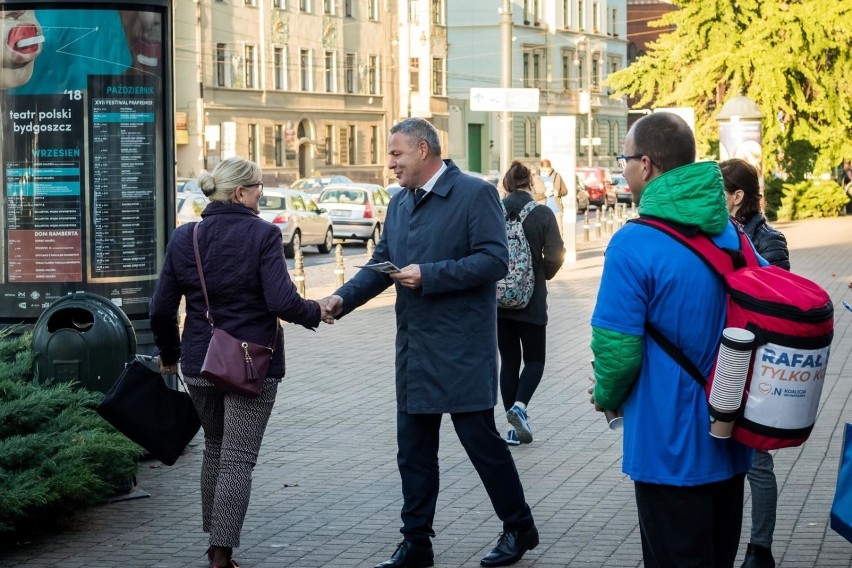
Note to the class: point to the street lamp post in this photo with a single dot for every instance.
(586, 95)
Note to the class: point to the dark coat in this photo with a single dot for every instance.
(446, 341)
(769, 243)
(548, 254)
(247, 281)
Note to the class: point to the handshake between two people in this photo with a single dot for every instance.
(332, 306)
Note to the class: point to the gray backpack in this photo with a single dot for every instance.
(516, 288)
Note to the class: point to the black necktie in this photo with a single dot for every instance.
(418, 195)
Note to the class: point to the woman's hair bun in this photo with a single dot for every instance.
(207, 183)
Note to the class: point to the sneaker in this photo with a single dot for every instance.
(512, 438)
(519, 419)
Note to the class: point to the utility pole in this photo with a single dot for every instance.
(587, 95)
(505, 82)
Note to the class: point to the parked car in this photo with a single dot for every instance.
(582, 196)
(357, 210)
(301, 222)
(622, 189)
(393, 189)
(490, 178)
(599, 185)
(189, 206)
(314, 185)
(187, 184)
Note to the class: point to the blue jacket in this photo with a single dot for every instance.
(247, 281)
(446, 341)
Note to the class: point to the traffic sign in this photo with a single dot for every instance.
(508, 100)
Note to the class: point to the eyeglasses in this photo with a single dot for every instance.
(622, 160)
(258, 185)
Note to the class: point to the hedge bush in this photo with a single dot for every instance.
(57, 455)
(811, 199)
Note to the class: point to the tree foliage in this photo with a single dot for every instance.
(792, 57)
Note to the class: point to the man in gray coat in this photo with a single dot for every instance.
(448, 235)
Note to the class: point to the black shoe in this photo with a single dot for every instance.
(758, 557)
(411, 555)
(511, 547)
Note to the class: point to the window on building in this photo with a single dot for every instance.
(305, 69)
(223, 78)
(329, 144)
(438, 87)
(279, 145)
(566, 14)
(329, 72)
(374, 9)
(596, 17)
(581, 71)
(349, 73)
(528, 12)
(537, 69)
(279, 68)
(567, 64)
(534, 64)
(581, 14)
(251, 67)
(328, 7)
(596, 79)
(347, 8)
(252, 142)
(373, 75)
(250, 2)
(352, 144)
(613, 22)
(374, 144)
(537, 12)
(414, 74)
(412, 10)
(279, 4)
(305, 6)
(438, 12)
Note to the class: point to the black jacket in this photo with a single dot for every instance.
(247, 282)
(769, 243)
(548, 254)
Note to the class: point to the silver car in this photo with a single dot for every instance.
(301, 222)
(357, 210)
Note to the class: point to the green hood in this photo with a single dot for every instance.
(690, 195)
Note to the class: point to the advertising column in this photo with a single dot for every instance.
(85, 160)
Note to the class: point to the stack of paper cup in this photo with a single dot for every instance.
(729, 379)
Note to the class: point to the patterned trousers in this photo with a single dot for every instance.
(233, 430)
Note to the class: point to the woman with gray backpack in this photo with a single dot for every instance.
(521, 328)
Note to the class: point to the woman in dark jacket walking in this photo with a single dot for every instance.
(742, 190)
(521, 333)
(242, 257)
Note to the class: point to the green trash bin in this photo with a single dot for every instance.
(82, 337)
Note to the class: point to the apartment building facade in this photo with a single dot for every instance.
(564, 48)
(303, 87)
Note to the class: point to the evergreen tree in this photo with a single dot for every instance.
(792, 57)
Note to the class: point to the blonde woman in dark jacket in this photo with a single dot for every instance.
(521, 333)
(249, 289)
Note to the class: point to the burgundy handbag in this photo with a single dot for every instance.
(234, 365)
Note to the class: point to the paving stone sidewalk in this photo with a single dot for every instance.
(326, 489)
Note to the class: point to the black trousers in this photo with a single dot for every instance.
(417, 458)
(520, 340)
(690, 527)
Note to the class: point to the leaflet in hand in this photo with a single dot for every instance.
(386, 267)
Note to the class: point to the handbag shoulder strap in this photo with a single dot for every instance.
(201, 272)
